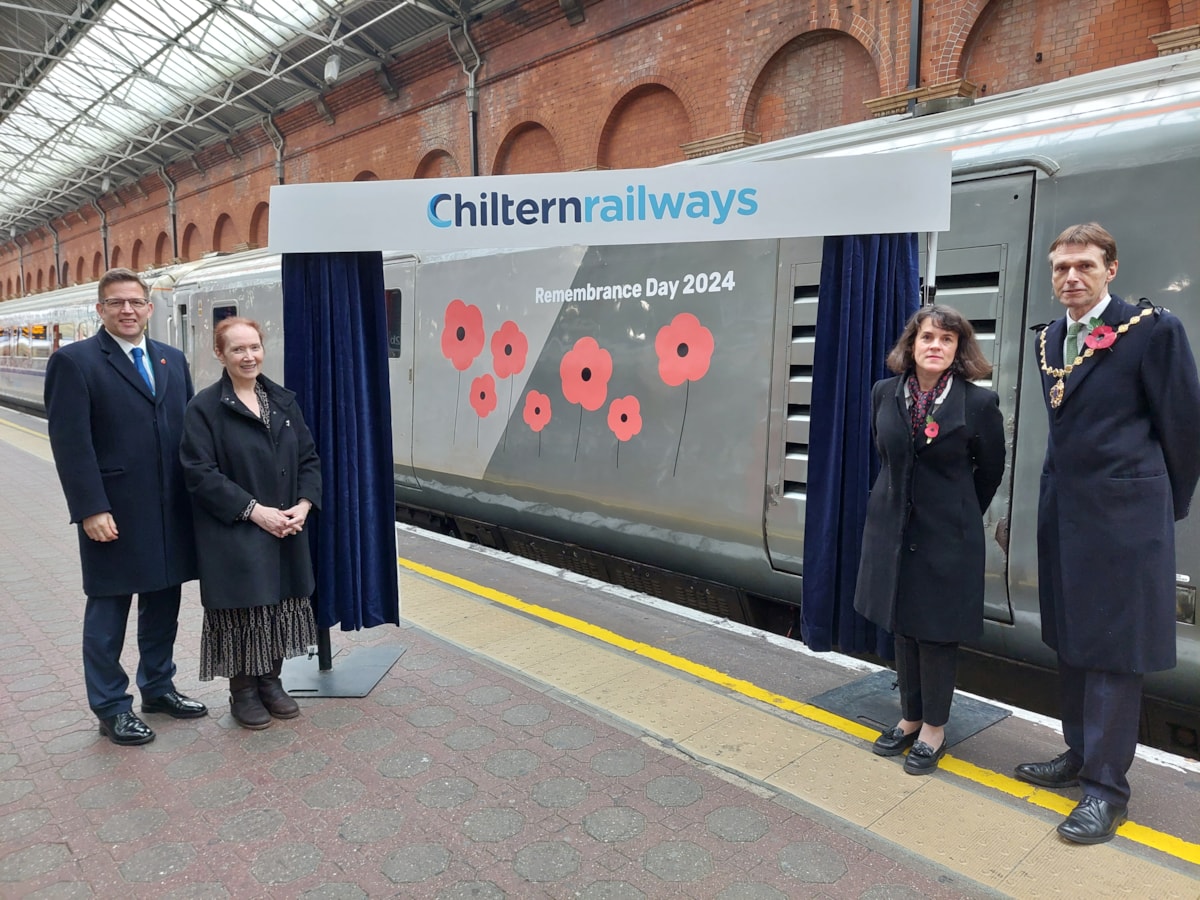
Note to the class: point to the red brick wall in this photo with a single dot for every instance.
(627, 87)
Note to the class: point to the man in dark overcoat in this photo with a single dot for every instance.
(1122, 462)
(115, 405)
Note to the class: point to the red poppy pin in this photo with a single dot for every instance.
(931, 429)
(1101, 337)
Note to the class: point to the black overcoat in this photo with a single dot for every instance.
(921, 569)
(1122, 461)
(230, 458)
(116, 448)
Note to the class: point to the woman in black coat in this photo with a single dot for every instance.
(940, 440)
(252, 470)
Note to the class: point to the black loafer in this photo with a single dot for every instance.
(176, 705)
(1093, 821)
(923, 759)
(1060, 772)
(126, 729)
(894, 742)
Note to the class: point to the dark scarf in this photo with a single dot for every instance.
(922, 401)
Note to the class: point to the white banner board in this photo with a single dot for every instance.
(880, 193)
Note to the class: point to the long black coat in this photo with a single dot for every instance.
(1122, 461)
(921, 569)
(230, 458)
(116, 448)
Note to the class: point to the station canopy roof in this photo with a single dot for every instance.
(98, 93)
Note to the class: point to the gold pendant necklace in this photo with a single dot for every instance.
(1058, 389)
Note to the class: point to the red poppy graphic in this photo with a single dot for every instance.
(463, 335)
(585, 370)
(625, 417)
(537, 410)
(483, 395)
(1101, 337)
(509, 346)
(684, 350)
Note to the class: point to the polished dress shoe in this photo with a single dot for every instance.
(923, 759)
(1093, 821)
(894, 742)
(1060, 772)
(126, 729)
(175, 704)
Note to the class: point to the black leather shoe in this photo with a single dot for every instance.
(1060, 772)
(894, 742)
(1093, 821)
(923, 759)
(126, 729)
(175, 704)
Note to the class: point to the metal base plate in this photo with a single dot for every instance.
(354, 674)
(872, 701)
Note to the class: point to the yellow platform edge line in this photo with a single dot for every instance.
(1141, 834)
(23, 429)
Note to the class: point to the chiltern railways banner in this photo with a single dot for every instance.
(880, 193)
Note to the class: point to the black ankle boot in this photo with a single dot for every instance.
(277, 701)
(244, 704)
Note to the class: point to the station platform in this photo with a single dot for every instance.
(539, 736)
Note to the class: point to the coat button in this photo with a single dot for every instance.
(912, 548)
(283, 471)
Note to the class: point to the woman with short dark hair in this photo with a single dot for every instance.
(940, 440)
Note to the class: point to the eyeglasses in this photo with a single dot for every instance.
(115, 304)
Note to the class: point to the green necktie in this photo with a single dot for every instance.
(1073, 342)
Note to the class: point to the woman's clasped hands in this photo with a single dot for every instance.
(281, 522)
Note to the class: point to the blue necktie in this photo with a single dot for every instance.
(138, 353)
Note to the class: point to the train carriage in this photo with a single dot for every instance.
(533, 407)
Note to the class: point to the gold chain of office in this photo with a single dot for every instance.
(1058, 388)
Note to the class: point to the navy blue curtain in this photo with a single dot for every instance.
(869, 288)
(335, 359)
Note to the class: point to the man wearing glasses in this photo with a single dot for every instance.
(115, 406)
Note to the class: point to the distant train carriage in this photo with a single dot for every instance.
(534, 407)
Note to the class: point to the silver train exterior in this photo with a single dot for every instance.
(532, 409)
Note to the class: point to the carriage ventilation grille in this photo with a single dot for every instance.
(975, 294)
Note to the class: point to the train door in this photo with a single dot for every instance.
(399, 279)
(981, 270)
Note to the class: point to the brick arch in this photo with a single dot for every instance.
(1071, 43)
(79, 276)
(817, 80)
(40, 277)
(624, 88)
(114, 257)
(259, 219)
(51, 278)
(190, 247)
(66, 274)
(646, 127)
(858, 29)
(223, 238)
(162, 248)
(136, 256)
(527, 148)
(366, 175)
(8, 287)
(97, 266)
(437, 163)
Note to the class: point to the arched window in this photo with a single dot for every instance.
(258, 225)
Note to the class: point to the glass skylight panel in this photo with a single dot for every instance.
(140, 64)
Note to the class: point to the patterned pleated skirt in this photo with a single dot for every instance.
(248, 641)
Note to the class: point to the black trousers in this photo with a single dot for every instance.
(1100, 715)
(925, 673)
(104, 621)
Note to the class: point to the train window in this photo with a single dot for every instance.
(392, 300)
(223, 311)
